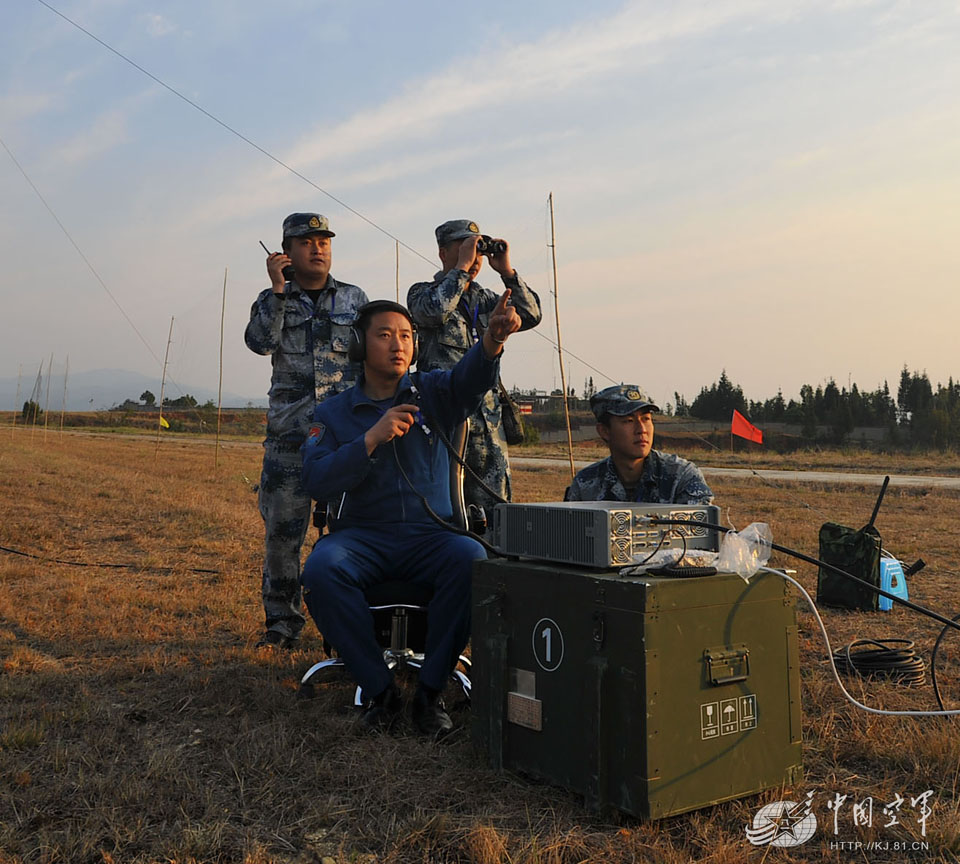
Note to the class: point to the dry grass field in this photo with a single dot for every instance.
(139, 724)
(749, 455)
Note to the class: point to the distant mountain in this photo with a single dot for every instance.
(104, 388)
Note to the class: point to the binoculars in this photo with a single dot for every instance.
(486, 245)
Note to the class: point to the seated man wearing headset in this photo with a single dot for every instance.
(371, 454)
(635, 472)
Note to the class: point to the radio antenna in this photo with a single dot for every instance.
(46, 401)
(16, 401)
(223, 309)
(876, 507)
(556, 311)
(63, 404)
(163, 382)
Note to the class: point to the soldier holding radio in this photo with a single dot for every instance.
(302, 321)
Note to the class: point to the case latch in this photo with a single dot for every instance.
(727, 665)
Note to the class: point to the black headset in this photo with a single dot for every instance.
(357, 349)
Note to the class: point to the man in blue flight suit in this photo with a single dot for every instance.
(358, 443)
(634, 471)
(303, 322)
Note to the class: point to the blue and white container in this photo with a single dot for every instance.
(893, 581)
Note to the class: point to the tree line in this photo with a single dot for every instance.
(921, 413)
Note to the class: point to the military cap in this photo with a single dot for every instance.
(456, 229)
(620, 400)
(301, 224)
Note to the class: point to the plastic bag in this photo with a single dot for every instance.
(746, 551)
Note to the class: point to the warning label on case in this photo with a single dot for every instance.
(728, 716)
(710, 720)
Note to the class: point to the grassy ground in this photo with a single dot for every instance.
(138, 724)
(747, 455)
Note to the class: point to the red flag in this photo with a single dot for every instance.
(739, 425)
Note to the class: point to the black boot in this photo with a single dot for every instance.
(428, 715)
(382, 711)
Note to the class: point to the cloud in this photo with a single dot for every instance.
(636, 36)
(807, 157)
(107, 131)
(22, 104)
(516, 75)
(159, 26)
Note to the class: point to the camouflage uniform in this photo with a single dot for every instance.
(451, 314)
(666, 479)
(308, 348)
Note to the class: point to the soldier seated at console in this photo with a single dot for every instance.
(634, 471)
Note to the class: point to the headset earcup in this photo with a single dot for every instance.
(357, 349)
(416, 347)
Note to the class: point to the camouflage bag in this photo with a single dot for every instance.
(856, 552)
(510, 416)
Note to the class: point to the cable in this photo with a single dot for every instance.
(465, 532)
(899, 664)
(106, 565)
(833, 667)
(460, 461)
(933, 663)
(92, 269)
(660, 542)
(73, 243)
(950, 623)
(936, 616)
(230, 129)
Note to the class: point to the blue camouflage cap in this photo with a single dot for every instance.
(301, 224)
(456, 229)
(620, 400)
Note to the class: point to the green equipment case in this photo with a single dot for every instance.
(651, 695)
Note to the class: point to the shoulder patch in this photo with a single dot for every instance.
(316, 432)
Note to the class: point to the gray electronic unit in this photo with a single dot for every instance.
(600, 533)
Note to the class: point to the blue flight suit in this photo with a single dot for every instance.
(382, 531)
(307, 344)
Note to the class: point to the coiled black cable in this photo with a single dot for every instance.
(900, 664)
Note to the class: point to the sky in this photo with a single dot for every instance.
(766, 188)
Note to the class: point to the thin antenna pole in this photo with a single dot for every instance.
(46, 401)
(556, 310)
(223, 307)
(35, 400)
(398, 272)
(63, 404)
(163, 381)
(16, 401)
